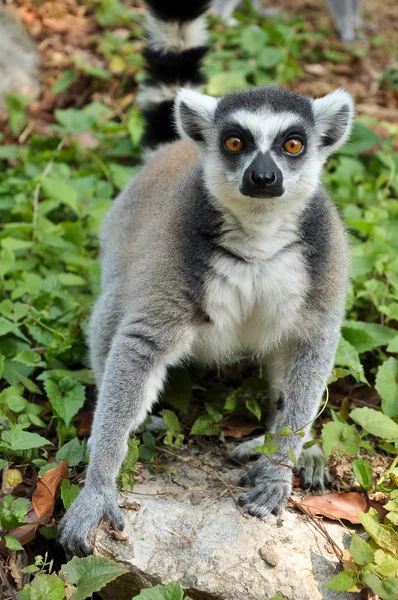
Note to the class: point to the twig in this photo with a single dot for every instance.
(169, 493)
(186, 461)
(95, 534)
(4, 578)
(4, 478)
(320, 526)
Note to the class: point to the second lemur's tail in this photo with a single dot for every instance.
(176, 34)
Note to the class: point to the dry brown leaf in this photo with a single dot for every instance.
(131, 505)
(241, 431)
(42, 503)
(43, 498)
(14, 478)
(336, 506)
(117, 535)
(26, 533)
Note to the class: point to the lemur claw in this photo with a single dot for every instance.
(86, 512)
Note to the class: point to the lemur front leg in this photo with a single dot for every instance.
(300, 374)
(134, 373)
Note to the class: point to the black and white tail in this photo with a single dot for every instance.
(176, 33)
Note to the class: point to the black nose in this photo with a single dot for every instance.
(262, 178)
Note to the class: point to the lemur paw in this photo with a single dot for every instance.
(86, 512)
(312, 472)
(312, 462)
(271, 486)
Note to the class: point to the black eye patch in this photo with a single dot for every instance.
(297, 133)
(236, 130)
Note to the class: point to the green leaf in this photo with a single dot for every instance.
(147, 450)
(1, 365)
(268, 449)
(70, 279)
(74, 121)
(385, 589)
(376, 335)
(121, 174)
(222, 83)
(46, 587)
(360, 550)
(66, 397)
(336, 434)
(204, 425)
(363, 472)
(12, 543)
(135, 126)
(253, 40)
(171, 591)
(90, 574)
(254, 408)
(393, 345)
(16, 439)
(269, 57)
(386, 564)
(362, 138)
(375, 422)
(384, 536)
(171, 421)
(347, 356)
(387, 386)
(60, 191)
(16, 107)
(13, 512)
(71, 453)
(343, 582)
(69, 493)
(67, 78)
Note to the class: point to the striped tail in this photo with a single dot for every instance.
(176, 33)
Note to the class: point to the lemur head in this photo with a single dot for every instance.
(267, 144)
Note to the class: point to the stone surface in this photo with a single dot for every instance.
(18, 57)
(201, 539)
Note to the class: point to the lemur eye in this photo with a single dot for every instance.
(293, 146)
(234, 144)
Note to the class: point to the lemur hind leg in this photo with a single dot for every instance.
(134, 373)
(300, 373)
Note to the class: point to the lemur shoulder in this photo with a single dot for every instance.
(225, 244)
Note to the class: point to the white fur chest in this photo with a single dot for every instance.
(253, 305)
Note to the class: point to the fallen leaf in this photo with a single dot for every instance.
(84, 427)
(131, 505)
(117, 535)
(241, 431)
(43, 498)
(42, 503)
(335, 506)
(26, 533)
(14, 477)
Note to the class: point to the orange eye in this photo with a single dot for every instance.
(234, 144)
(293, 146)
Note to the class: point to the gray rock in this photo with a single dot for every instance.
(18, 57)
(201, 539)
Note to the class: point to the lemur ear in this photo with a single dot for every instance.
(334, 115)
(194, 113)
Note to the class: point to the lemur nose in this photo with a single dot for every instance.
(262, 178)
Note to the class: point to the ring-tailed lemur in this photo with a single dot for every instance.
(225, 244)
(346, 14)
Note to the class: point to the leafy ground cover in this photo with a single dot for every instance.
(63, 158)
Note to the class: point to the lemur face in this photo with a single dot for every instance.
(262, 155)
(266, 144)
